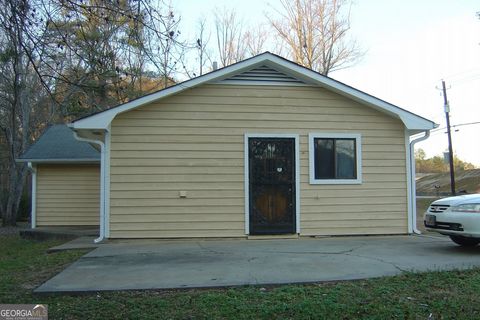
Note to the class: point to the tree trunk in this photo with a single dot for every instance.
(9, 213)
(9, 217)
(19, 189)
(17, 131)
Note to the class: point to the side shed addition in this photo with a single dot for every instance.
(65, 180)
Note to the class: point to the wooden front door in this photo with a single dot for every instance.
(272, 185)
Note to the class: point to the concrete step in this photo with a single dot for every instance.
(58, 233)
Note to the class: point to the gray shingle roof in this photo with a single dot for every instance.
(57, 144)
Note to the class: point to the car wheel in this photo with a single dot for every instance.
(464, 241)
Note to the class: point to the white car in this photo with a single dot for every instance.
(457, 217)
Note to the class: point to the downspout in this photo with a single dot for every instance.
(33, 214)
(413, 191)
(102, 183)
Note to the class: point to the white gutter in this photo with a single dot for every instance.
(33, 215)
(413, 191)
(102, 183)
(106, 188)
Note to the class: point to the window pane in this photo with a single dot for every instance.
(345, 159)
(324, 159)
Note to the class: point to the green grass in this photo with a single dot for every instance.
(438, 295)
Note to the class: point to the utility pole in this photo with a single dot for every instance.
(450, 148)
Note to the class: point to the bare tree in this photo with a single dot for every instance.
(197, 53)
(316, 33)
(229, 33)
(163, 46)
(255, 40)
(201, 45)
(102, 52)
(22, 97)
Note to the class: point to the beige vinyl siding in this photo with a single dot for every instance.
(194, 142)
(68, 195)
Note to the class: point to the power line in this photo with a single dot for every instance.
(437, 130)
(456, 125)
(465, 79)
(461, 73)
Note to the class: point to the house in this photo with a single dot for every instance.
(261, 147)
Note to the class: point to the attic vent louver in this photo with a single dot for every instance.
(262, 75)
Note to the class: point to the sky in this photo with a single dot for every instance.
(410, 46)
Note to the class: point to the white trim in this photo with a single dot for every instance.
(311, 157)
(107, 182)
(102, 183)
(246, 181)
(409, 182)
(297, 183)
(33, 213)
(413, 187)
(411, 121)
(296, 138)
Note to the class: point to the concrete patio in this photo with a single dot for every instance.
(162, 264)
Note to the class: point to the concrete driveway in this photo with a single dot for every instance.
(157, 264)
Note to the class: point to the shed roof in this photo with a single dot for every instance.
(58, 145)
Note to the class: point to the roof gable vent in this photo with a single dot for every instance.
(262, 75)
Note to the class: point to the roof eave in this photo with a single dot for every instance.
(411, 121)
(103, 119)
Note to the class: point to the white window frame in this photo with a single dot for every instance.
(330, 135)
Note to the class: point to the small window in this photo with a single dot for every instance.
(335, 158)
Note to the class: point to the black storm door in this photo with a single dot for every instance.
(272, 185)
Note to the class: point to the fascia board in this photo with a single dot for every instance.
(411, 121)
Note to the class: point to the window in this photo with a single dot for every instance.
(335, 158)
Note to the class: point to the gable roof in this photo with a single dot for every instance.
(247, 68)
(58, 145)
